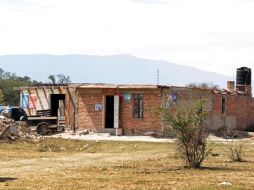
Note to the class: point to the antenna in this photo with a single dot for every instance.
(158, 76)
(234, 78)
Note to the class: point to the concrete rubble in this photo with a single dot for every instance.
(12, 130)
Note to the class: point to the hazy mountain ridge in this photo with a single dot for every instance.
(123, 69)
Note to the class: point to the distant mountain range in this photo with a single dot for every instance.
(124, 69)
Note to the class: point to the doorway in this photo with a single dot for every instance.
(57, 104)
(109, 112)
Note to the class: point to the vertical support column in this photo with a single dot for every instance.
(116, 111)
(76, 100)
(20, 98)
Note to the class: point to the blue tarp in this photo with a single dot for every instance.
(25, 100)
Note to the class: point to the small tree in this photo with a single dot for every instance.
(190, 133)
(203, 85)
(63, 79)
(52, 79)
(59, 79)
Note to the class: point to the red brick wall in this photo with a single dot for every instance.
(244, 111)
(230, 104)
(239, 106)
(239, 109)
(88, 118)
(150, 121)
(251, 113)
(217, 104)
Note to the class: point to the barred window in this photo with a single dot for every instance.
(138, 106)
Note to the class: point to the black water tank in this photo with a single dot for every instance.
(243, 76)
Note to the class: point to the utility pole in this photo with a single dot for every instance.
(158, 76)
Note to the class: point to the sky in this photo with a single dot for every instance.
(214, 35)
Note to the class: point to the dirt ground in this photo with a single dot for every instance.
(108, 137)
(56, 163)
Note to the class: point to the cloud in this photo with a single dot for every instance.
(251, 1)
(233, 41)
(154, 1)
(16, 3)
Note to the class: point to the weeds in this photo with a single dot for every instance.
(234, 151)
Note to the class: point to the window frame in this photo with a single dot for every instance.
(138, 106)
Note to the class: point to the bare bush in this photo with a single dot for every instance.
(190, 133)
(234, 151)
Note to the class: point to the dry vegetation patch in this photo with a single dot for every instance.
(71, 164)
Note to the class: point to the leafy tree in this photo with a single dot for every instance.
(1, 97)
(190, 132)
(63, 79)
(52, 78)
(8, 81)
(59, 79)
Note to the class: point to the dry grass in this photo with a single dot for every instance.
(70, 164)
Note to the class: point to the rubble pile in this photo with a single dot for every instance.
(12, 130)
(228, 133)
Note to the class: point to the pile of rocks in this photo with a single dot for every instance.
(228, 133)
(12, 130)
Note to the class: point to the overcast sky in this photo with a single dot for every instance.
(215, 35)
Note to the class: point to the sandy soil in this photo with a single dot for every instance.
(108, 137)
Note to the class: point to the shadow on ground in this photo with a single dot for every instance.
(4, 179)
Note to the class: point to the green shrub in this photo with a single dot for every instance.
(190, 132)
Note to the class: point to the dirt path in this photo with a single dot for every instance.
(107, 137)
(77, 160)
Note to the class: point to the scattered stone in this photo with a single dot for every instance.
(149, 133)
(84, 132)
(225, 183)
(12, 138)
(62, 148)
(215, 154)
(85, 146)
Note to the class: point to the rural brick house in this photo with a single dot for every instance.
(130, 109)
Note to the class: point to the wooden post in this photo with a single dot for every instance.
(72, 100)
(76, 99)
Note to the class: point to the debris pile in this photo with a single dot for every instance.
(228, 133)
(12, 130)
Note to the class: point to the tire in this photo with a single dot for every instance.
(42, 128)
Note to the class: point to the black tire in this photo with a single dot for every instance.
(42, 128)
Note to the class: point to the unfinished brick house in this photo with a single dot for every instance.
(130, 109)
